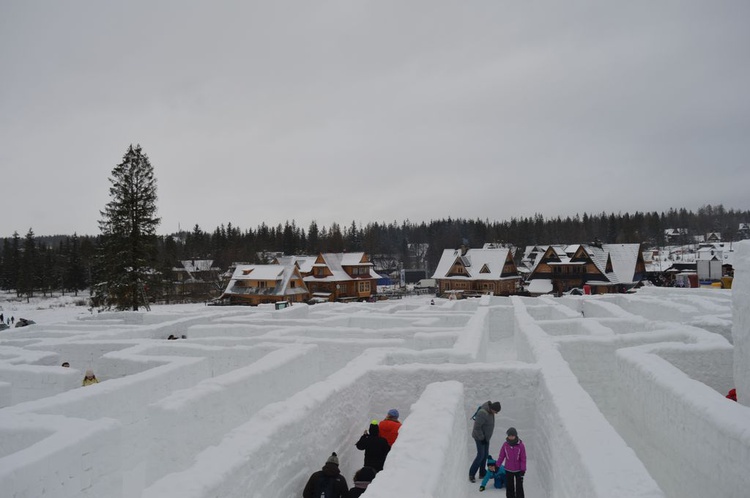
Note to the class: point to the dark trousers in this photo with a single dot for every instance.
(513, 485)
(480, 461)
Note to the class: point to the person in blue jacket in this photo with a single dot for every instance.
(493, 471)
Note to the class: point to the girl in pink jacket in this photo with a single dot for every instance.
(513, 454)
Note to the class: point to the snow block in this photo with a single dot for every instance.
(741, 323)
(694, 441)
(431, 439)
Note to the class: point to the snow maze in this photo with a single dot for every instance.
(614, 396)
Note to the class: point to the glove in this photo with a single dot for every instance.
(523, 473)
(481, 488)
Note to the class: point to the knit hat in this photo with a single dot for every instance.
(495, 406)
(365, 474)
(393, 413)
(374, 429)
(512, 432)
(491, 461)
(333, 459)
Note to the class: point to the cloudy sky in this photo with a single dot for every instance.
(350, 110)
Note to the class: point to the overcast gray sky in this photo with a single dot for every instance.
(341, 111)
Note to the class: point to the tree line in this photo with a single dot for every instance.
(69, 263)
(128, 265)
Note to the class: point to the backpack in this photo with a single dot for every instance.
(474, 417)
(324, 487)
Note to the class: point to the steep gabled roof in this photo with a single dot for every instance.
(282, 275)
(624, 258)
(480, 264)
(335, 261)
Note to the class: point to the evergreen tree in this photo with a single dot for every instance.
(313, 239)
(128, 234)
(11, 261)
(27, 275)
(74, 276)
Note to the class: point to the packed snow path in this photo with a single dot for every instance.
(614, 396)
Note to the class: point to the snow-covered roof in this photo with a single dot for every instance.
(540, 286)
(335, 262)
(480, 264)
(277, 273)
(624, 258)
(305, 263)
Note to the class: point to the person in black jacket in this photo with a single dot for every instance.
(327, 482)
(376, 447)
(362, 478)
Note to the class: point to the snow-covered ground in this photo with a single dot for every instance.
(614, 396)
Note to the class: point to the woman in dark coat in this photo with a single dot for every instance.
(376, 448)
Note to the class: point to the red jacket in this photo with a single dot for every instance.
(389, 430)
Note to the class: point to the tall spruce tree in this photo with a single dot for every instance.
(128, 234)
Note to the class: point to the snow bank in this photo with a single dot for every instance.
(429, 442)
(30, 382)
(57, 456)
(240, 393)
(575, 433)
(695, 442)
(741, 325)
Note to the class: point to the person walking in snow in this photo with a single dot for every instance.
(389, 426)
(376, 448)
(89, 378)
(494, 471)
(484, 425)
(513, 454)
(327, 482)
(362, 478)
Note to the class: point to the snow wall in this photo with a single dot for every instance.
(741, 321)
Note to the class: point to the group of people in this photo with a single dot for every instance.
(376, 442)
(10, 321)
(510, 466)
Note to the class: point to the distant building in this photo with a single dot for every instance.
(341, 277)
(260, 284)
(603, 268)
(196, 280)
(477, 271)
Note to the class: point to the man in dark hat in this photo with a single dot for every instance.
(484, 425)
(376, 448)
(327, 482)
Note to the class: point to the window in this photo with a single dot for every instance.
(293, 284)
(364, 286)
(262, 284)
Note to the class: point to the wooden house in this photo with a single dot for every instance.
(196, 280)
(260, 284)
(341, 277)
(603, 268)
(477, 271)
